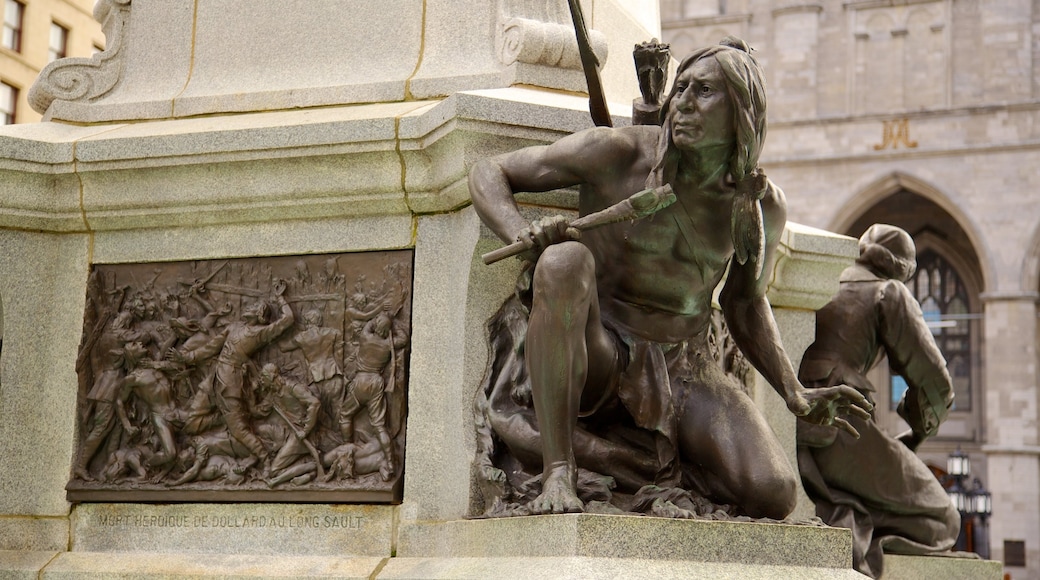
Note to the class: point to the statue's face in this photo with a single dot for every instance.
(266, 378)
(702, 113)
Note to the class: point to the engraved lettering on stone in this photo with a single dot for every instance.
(345, 522)
(280, 374)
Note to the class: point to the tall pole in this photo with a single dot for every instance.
(590, 64)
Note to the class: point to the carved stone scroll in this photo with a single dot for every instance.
(545, 43)
(256, 379)
(86, 79)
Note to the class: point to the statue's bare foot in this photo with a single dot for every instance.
(82, 474)
(559, 495)
(387, 470)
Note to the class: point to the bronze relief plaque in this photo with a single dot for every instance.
(253, 379)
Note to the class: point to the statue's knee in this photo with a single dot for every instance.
(773, 497)
(565, 267)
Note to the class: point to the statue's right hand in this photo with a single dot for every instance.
(544, 232)
(176, 356)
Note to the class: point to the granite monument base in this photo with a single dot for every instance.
(342, 541)
(353, 541)
(950, 566)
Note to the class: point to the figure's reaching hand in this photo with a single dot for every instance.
(828, 406)
(176, 356)
(279, 287)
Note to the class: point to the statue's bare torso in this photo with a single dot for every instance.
(650, 276)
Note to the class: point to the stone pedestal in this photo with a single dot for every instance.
(947, 567)
(599, 546)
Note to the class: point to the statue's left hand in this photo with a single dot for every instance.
(546, 231)
(827, 406)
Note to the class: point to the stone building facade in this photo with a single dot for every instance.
(924, 114)
(35, 33)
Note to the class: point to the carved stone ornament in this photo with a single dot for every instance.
(254, 379)
(545, 43)
(533, 32)
(86, 79)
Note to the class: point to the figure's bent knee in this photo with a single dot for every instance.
(775, 497)
(568, 266)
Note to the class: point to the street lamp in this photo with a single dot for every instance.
(958, 495)
(958, 463)
(982, 500)
(972, 503)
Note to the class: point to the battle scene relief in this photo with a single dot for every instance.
(252, 379)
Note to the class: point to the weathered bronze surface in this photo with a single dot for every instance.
(651, 60)
(602, 375)
(254, 379)
(876, 485)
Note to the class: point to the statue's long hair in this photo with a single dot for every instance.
(746, 90)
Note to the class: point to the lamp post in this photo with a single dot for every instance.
(982, 507)
(974, 502)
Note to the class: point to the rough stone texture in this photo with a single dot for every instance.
(440, 421)
(40, 275)
(180, 59)
(808, 265)
(241, 240)
(93, 565)
(898, 567)
(603, 536)
(365, 160)
(266, 529)
(34, 533)
(798, 330)
(596, 569)
(19, 565)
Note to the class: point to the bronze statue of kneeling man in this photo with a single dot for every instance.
(876, 485)
(611, 343)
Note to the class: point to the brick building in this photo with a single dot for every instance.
(924, 114)
(36, 32)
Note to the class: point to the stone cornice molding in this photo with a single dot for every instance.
(1011, 449)
(86, 79)
(63, 178)
(867, 4)
(702, 21)
(808, 267)
(1010, 296)
(798, 8)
